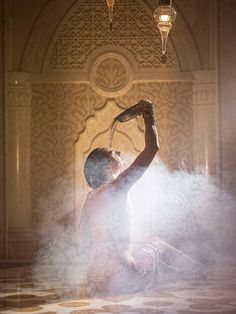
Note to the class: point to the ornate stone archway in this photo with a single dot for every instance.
(65, 80)
(56, 13)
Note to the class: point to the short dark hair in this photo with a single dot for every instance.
(97, 166)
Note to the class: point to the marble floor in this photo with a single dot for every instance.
(217, 294)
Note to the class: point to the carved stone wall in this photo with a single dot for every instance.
(103, 65)
(86, 29)
(60, 112)
(81, 75)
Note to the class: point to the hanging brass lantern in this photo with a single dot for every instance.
(164, 16)
(110, 4)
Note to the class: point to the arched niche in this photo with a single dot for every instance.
(128, 138)
(55, 14)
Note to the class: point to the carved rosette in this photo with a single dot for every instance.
(111, 75)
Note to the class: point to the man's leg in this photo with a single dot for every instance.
(175, 262)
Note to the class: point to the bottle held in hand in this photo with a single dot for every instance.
(129, 113)
(142, 107)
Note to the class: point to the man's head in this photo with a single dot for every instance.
(102, 165)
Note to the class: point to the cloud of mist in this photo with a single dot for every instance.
(58, 262)
(181, 208)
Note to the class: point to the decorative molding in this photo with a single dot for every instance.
(138, 76)
(159, 75)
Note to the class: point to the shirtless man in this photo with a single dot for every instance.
(113, 267)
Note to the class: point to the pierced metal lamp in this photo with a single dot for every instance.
(110, 4)
(164, 16)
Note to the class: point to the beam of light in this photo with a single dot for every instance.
(181, 208)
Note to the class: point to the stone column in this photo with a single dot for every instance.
(18, 165)
(2, 133)
(205, 122)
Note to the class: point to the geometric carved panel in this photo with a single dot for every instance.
(86, 29)
(59, 115)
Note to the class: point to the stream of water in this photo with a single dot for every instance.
(112, 131)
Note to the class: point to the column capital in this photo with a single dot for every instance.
(204, 95)
(18, 79)
(204, 88)
(18, 90)
(204, 77)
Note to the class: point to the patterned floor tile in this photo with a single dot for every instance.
(116, 308)
(74, 304)
(216, 295)
(28, 309)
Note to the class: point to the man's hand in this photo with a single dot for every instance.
(147, 110)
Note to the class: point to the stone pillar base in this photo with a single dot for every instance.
(21, 245)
